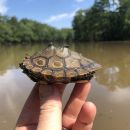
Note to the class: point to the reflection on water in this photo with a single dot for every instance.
(12, 96)
(110, 90)
(113, 107)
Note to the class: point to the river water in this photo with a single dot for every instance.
(110, 89)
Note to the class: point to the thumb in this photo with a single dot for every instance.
(50, 107)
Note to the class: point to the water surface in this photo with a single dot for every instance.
(110, 90)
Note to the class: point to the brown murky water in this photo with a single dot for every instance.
(110, 90)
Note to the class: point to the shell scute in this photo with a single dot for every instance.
(81, 71)
(72, 63)
(55, 62)
(85, 61)
(71, 73)
(39, 61)
(46, 72)
(58, 73)
(36, 69)
(29, 66)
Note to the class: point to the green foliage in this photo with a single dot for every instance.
(104, 21)
(65, 34)
(25, 31)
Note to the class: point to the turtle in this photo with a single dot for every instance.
(58, 65)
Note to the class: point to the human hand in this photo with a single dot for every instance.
(46, 113)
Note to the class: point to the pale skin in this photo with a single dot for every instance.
(46, 113)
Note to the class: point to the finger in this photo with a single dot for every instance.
(30, 127)
(75, 104)
(29, 115)
(86, 117)
(50, 107)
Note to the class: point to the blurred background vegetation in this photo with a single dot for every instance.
(105, 21)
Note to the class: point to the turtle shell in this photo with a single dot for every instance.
(59, 65)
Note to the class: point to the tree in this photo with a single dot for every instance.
(25, 30)
(78, 25)
(105, 20)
